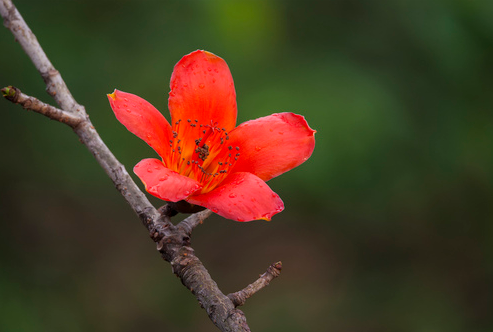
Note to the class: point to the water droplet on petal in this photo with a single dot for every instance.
(213, 209)
(149, 170)
(258, 148)
(239, 219)
(281, 133)
(201, 85)
(185, 85)
(163, 177)
(232, 195)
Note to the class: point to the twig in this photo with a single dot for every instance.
(241, 296)
(30, 103)
(193, 221)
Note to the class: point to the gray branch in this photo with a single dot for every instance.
(173, 242)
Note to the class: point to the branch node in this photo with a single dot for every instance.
(167, 211)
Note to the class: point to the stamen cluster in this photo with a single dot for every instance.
(201, 152)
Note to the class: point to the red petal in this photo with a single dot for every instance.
(272, 145)
(163, 182)
(202, 89)
(142, 119)
(241, 197)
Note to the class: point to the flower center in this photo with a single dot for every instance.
(201, 152)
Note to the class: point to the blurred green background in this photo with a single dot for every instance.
(388, 227)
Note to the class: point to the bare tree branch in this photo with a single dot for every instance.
(240, 297)
(57, 88)
(173, 242)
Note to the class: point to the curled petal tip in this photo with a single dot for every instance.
(112, 95)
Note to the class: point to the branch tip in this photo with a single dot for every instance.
(10, 92)
(239, 298)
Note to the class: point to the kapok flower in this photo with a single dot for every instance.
(205, 160)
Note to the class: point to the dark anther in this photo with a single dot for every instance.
(230, 147)
(203, 152)
(188, 120)
(175, 134)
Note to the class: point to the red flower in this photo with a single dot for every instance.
(205, 159)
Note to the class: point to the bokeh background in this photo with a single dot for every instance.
(388, 227)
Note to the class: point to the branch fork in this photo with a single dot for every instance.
(172, 241)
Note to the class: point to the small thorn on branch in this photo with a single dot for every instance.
(239, 298)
